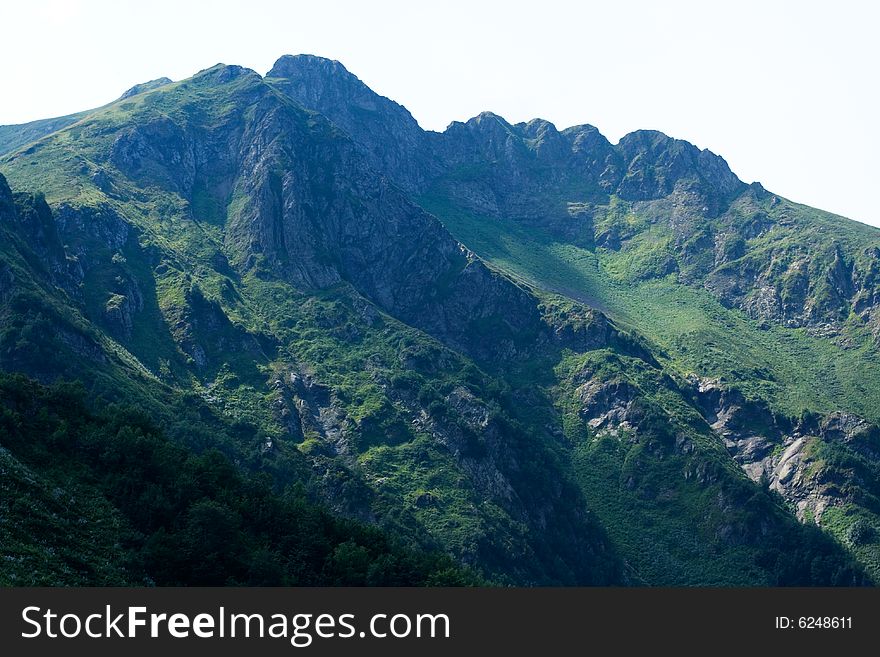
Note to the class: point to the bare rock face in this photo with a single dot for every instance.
(158, 148)
(386, 133)
(315, 207)
(606, 406)
(783, 454)
(330, 218)
(314, 411)
(28, 216)
(479, 446)
(120, 310)
(657, 163)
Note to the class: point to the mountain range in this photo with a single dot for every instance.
(267, 330)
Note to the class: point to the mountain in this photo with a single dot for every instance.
(553, 359)
(13, 137)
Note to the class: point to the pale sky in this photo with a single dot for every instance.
(787, 92)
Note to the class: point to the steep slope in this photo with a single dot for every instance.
(743, 293)
(222, 237)
(753, 294)
(240, 247)
(13, 137)
(104, 498)
(96, 493)
(385, 133)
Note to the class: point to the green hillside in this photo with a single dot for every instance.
(362, 353)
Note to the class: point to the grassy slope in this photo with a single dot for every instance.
(13, 137)
(790, 368)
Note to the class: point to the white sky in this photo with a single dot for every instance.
(787, 92)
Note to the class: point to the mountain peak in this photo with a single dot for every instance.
(656, 161)
(223, 73)
(385, 131)
(645, 136)
(326, 86)
(287, 63)
(488, 116)
(316, 77)
(145, 86)
(483, 122)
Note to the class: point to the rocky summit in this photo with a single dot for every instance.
(267, 330)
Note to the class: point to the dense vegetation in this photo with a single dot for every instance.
(101, 496)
